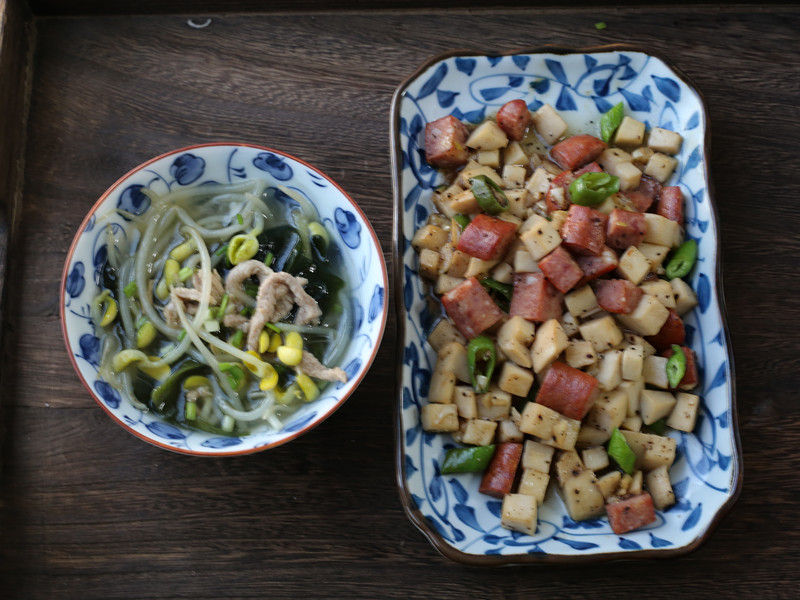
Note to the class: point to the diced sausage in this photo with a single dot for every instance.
(670, 204)
(514, 118)
(471, 308)
(672, 332)
(618, 296)
(557, 197)
(592, 167)
(597, 266)
(638, 200)
(576, 151)
(534, 298)
(445, 142)
(631, 513)
(691, 378)
(650, 187)
(625, 228)
(498, 479)
(584, 231)
(568, 390)
(486, 237)
(561, 270)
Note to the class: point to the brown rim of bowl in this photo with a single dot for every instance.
(295, 435)
(411, 510)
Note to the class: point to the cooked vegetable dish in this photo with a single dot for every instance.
(560, 263)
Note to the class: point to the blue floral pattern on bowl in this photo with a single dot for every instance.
(223, 163)
(462, 523)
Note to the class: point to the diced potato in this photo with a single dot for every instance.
(641, 155)
(655, 405)
(550, 341)
(591, 436)
(633, 339)
(479, 432)
(494, 405)
(632, 362)
(655, 254)
(514, 154)
(611, 157)
(549, 426)
(660, 166)
(472, 169)
(429, 263)
(465, 401)
(580, 353)
(464, 203)
(445, 283)
(558, 218)
(608, 411)
(660, 488)
(629, 176)
(503, 272)
(647, 318)
(490, 158)
(661, 289)
(453, 357)
(519, 513)
(534, 483)
(453, 262)
(507, 431)
(602, 333)
(651, 450)
(595, 458)
(514, 339)
(515, 380)
(430, 237)
(684, 415)
(632, 423)
(685, 298)
(664, 140)
(632, 390)
(539, 183)
(581, 302)
(487, 136)
(608, 484)
(630, 134)
(477, 267)
(519, 201)
(537, 456)
(443, 333)
(569, 324)
(662, 231)
(582, 497)
(654, 372)
(624, 485)
(539, 236)
(439, 418)
(633, 265)
(635, 487)
(513, 176)
(525, 263)
(567, 465)
(609, 369)
(549, 124)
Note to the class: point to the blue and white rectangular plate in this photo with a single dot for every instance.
(461, 523)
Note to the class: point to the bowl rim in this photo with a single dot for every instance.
(224, 452)
(413, 513)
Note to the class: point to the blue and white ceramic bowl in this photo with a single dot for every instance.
(581, 84)
(224, 163)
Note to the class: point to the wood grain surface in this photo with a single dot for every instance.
(88, 511)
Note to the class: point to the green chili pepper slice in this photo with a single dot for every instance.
(676, 366)
(682, 260)
(621, 452)
(467, 460)
(592, 188)
(462, 220)
(481, 358)
(610, 121)
(490, 197)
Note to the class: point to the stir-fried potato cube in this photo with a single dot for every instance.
(453, 357)
(647, 318)
(519, 201)
(660, 166)
(537, 456)
(464, 203)
(630, 133)
(595, 458)
(494, 405)
(514, 339)
(640, 156)
(632, 362)
(472, 169)
(602, 333)
(515, 380)
(664, 140)
(655, 405)
(633, 389)
(661, 289)
(608, 411)
(429, 263)
(439, 418)
(453, 262)
(570, 325)
(539, 183)
(633, 265)
(662, 231)
(479, 432)
(654, 372)
(549, 124)
(609, 369)
(611, 157)
(582, 497)
(581, 302)
(507, 431)
(655, 253)
(635, 486)
(525, 263)
(443, 333)
(660, 488)
(490, 158)
(567, 465)
(478, 267)
(632, 423)
(534, 483)
(442, 385)
(558, 218)
(609, 483)
(519, 513)
(651, 450)
(550, 341)
(591, 436)
(430, 237)
(550, 427)
(580, 353)
(503, 272)
(466, 402)
(629, 175)
(487, 136)
(513, 176)
(539, 236)
(685, 298)
(445, 283)
(633, 339)
(514, 154)
(684, 415)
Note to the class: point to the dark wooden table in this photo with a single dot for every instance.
(88, 511)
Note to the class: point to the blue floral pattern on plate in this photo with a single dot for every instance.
(462, 523)
(223, 163)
